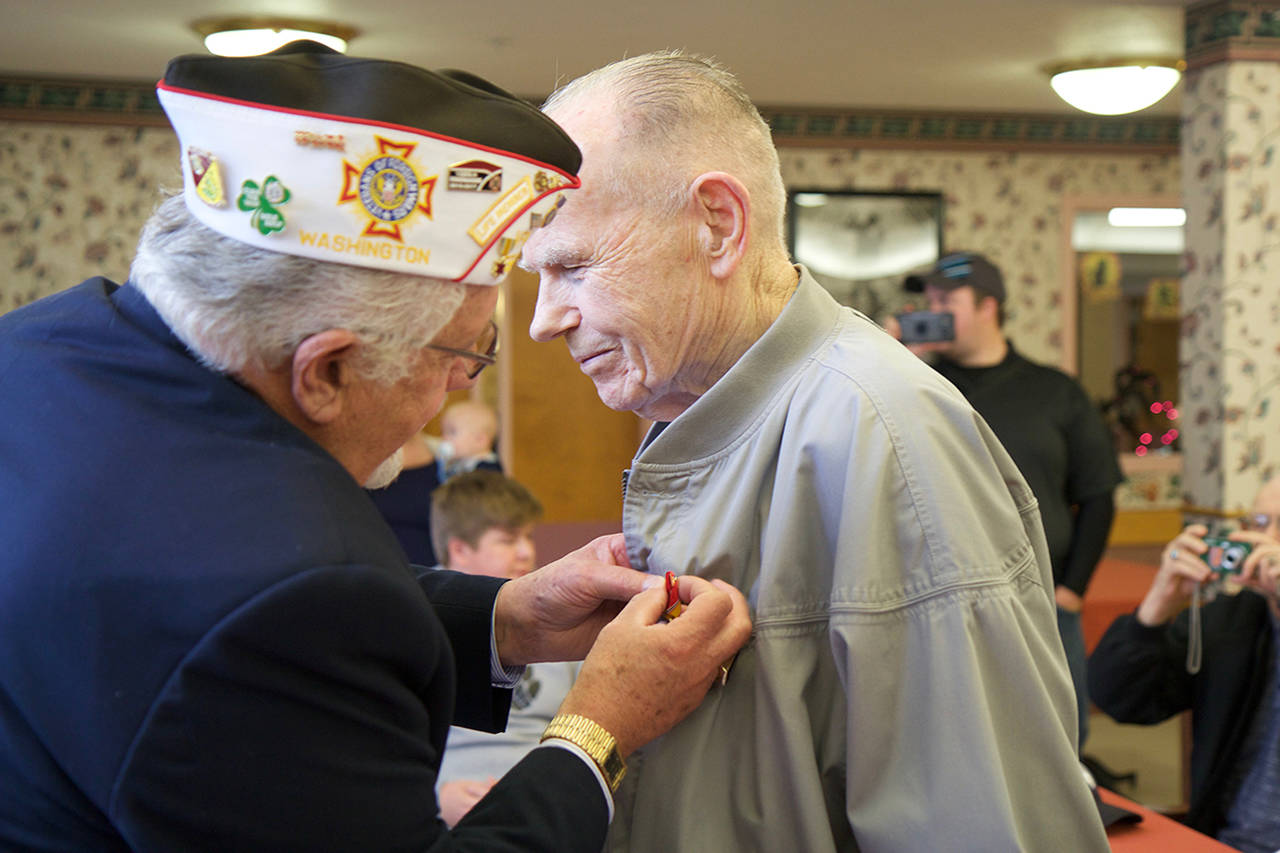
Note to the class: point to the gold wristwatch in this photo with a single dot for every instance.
(592, 739)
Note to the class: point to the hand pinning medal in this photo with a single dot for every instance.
(675, 607)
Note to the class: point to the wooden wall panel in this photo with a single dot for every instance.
(564, 444)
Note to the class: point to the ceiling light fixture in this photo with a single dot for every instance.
(1115, 86)
(251, 36)
(1146, 217)
(810, 199)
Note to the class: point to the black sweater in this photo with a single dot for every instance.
(1139, 675)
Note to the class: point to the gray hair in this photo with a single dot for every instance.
(235, 305)
(686, 114)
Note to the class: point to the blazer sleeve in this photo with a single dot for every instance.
(1138, 674)
(312, 718)
(464, 605)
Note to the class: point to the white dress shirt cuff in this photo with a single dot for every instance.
(500, 676)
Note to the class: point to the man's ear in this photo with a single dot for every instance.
(459, 551)
(322, 374)
(723, 214)
(989, 307)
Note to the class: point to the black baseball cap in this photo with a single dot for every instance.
(960, 269)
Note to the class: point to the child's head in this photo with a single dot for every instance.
(470, 427)
(482, 524)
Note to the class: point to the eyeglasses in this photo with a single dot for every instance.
(1259, 521)
(484, 354)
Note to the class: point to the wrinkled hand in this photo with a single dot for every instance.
(1181, 571)
(1261, 569)
(556, 612)
(643, 675)
(457, 797)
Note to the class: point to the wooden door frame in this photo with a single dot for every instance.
(1068, 275)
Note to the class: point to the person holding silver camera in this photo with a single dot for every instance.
(1218, 661)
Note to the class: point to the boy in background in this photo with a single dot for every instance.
(482, 524)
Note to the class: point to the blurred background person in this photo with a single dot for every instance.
(482, 523)
(468, 431)
(1140, 672)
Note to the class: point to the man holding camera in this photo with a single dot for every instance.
(1141, 672)
(1044, 419)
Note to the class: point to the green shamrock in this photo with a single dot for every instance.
(263, 201)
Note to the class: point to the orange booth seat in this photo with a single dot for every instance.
(1155, 833)
(1118, 586)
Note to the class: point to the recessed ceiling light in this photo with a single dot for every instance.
(810, 199)
(1146, 217)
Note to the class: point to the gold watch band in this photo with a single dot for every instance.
(591, 738)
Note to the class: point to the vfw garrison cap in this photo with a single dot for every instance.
(380, 164)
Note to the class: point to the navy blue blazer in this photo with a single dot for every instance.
(209, 638)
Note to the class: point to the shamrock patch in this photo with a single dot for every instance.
(263, 201)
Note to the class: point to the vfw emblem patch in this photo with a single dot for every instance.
(388, 188)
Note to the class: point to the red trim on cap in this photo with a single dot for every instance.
(574, 183)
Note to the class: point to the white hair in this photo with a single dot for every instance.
(235, 305)
(681, 115)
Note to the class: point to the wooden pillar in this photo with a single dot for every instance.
(558, 438)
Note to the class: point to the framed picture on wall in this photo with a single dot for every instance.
(860, 245)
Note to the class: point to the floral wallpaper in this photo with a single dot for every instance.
(1229, 349)
(72, 200)
(73, 197)
(1007, 205)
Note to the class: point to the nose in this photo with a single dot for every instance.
(553, 315)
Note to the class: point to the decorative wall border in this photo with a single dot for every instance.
(817, 127)
(64, 99)
(1221, 30)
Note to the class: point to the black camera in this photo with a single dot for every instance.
(925, 327)
(1225, 556)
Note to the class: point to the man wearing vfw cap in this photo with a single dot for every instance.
(1045, 420)
(209, 639)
